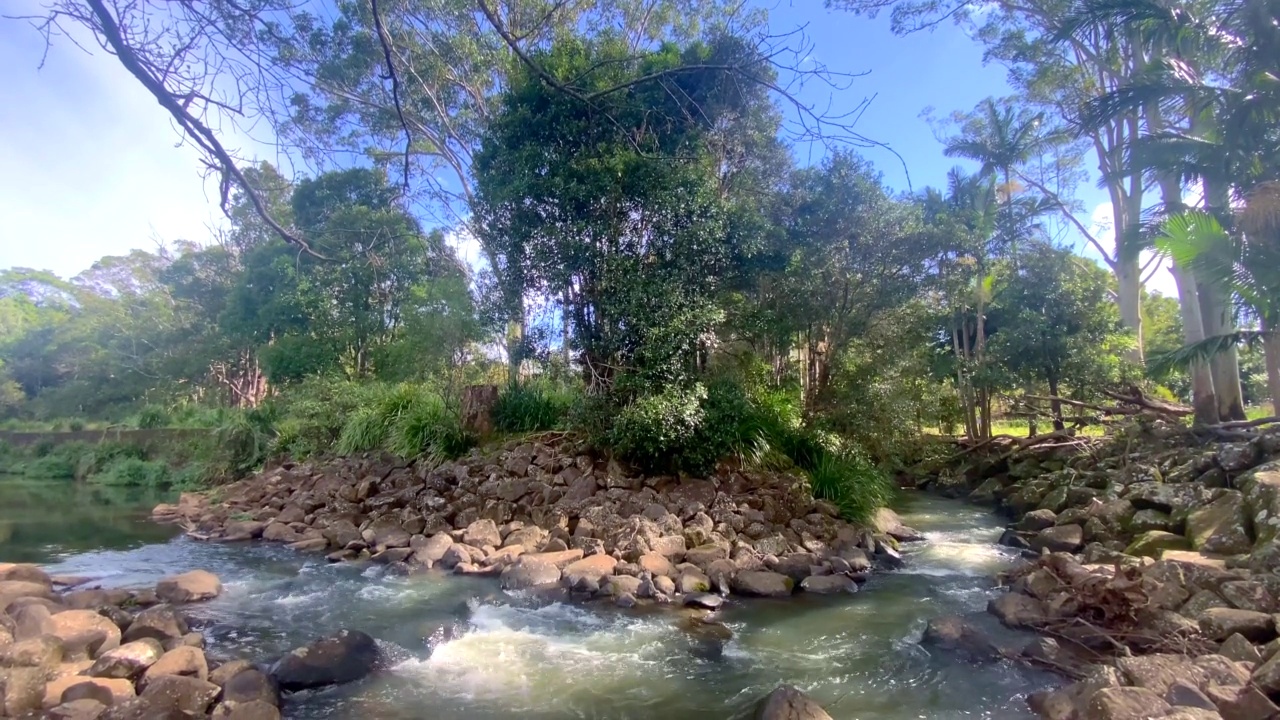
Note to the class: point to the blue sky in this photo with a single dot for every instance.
(92, 164)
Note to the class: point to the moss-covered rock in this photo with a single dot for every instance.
(1153, 542)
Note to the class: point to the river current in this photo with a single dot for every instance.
(461, 648)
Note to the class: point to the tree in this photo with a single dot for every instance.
(1055, 323)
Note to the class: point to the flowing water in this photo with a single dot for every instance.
(461, 648)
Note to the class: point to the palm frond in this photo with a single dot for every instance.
(1204, 350)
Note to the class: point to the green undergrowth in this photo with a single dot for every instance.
(534, 406)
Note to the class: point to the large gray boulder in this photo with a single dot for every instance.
(762, 583)
(1221, 527)
(525, 573)
(344, 657)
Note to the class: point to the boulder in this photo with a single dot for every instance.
(1145, 520)
(1221, 527)
(21, 690)
(77, 710)
(251, 685)
(1222, 623)
(69, 688)
(1061, 538)
(762, 583)
(708, 601)
(127, 661)
(24, 572)
(255, 710)
(31, 621)
(525, 573)
(158, 622)
(182, 693)
(1267, 676)
(620, 585)
(953, 633)
(1154, 542)
(1036, 520)
(828, 584)
(183, 660)
(560, 559)
(656, 564)
(387, 532)
(593, 568)
(481, 533)
(346, 656)
(433, 549)
(227, 670)
(1125, 703)
(43, 653)
(189, 587)
(786, 702)
(1016, 610)
(1261, 489)
(72, 623)
(1242, 702)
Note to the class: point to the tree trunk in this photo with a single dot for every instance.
(962, 386)
(1202, 396)
(1129, 292)
(1215, 311)
(1271, 354)
(1055, 405)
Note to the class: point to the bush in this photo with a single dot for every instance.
(533, 407)
(243, 442)
(133, 472)
(51, 467)
(428, 428)
(151, 417)
(659, 432)
(851, 481)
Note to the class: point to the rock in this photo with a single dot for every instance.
(481, 533)
(11, 590)
(77, 710)
(1154, 542)
(593, 567)
(280, 532)
(1267, 676)
(387, 532)
(704, 555)
(251, 685)
(24, 572)
(227, 670)
(1261, 489)
(71, 623)
(1125, 703)
(185, 694)
(827, 584)
(1220, 527)
(255, 710)
(21, 690)
(189, 587)
(762, 583)
(158, 622)
(709, 601)
(185, 661)
(127, 661)
(1185, 694)
(1238, 648)
(527, 573)
(1145, 520)
(796, 566)
(1061, 538)
(1159, 672)
(69, 688)
(1222, 623)
(433, 549)
(620, 585)
(664, 585)
(656, 564)
(625, 600)
(1016, 610)
(1036, 520)
(454, 556)
(953, 633)
(560, 559)
(786, 702)
(31, 622)
(43, 653)
(346, 656)
(1242, 703)
(1011, 538)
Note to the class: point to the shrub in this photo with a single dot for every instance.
(152, 416)
(75, 425)
(51, 467)
(133, 472)
(532, 407)
(659, 432)
(851, 481)
(428, 428)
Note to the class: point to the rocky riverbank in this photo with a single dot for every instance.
(1153, 569)
(546, 517)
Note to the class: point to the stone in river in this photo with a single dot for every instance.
(762, 583)
(189, 587)
(346, 656)
(786, 702)
(710, 601)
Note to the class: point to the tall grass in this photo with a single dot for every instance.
(533, 406)
(408, 420)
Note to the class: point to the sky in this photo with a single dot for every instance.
(93, 167)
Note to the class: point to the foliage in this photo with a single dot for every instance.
(533, 406)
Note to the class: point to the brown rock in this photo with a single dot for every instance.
(256, 710)
(227, 670)
(187, 694)
(656, 564)
(1238, 648)
(70, 688)
(828, 584)
(24, 572)
(21, 690)
(189, 587)
(592, 567)
(1061, 538)
(481, 533)
(1222, 623)
(559, 559)
(43, 653)
(1241, 703)
(762, 583)
(159, 622)
(433, 549)
(251, 686)
(1016, 610)
(1125, 703)
(77, 710)
(185, 661)
(32, 621)
(127, 661)
(788, 703)
(76, 622)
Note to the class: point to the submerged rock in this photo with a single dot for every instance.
(787, 702)
(344, 657)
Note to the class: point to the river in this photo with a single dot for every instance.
(511, 657)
